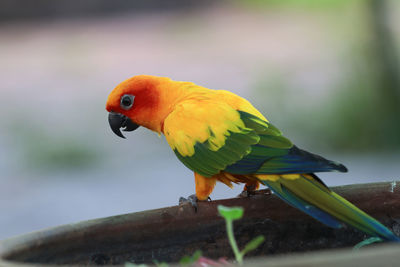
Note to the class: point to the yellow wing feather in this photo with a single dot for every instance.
(194, 121)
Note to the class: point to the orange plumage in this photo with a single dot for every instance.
(222, 137)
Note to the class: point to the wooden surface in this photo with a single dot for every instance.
(167, 234)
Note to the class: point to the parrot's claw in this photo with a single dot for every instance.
(192, 200)
(249, 193)
(246, 193)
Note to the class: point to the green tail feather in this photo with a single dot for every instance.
(311, 196)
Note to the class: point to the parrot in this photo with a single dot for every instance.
(222, 137)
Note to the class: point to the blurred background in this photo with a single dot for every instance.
(325, 72)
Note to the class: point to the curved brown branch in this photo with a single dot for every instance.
(167, 234)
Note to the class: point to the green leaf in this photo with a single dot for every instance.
(196, 255)
(367, 242)
(230, 213)
(253, 244)
(186, 260)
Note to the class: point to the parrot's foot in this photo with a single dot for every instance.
(249, 189)
(192, 200)
(247, 193)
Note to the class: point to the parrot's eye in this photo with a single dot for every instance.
(127, 101)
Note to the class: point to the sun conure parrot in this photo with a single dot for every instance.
(222, 137)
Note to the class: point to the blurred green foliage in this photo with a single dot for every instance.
(360, 120)
(354, 118)
(294, 3)
(190, 260)
(362, 111)
(42, 151)
(55, 153)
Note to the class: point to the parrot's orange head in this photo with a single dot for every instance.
(137, 102)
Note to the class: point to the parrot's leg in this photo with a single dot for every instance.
(250, 188)
(204, 187)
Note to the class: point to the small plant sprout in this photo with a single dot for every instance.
(235, 213)
(367, 242)
(188, 260)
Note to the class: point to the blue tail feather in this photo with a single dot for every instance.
(336, 209)
(309, 209)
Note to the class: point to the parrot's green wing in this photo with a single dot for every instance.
(212, 137)
(208, 136)
(274, 154)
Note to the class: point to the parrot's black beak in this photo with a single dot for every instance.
(118, 121)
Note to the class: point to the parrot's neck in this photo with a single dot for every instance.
(173, 93)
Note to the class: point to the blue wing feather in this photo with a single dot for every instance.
(274, 154)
